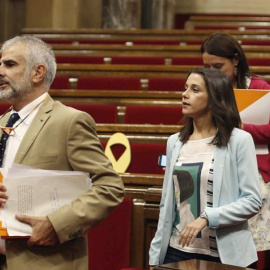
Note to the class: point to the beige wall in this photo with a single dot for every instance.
(224, 6)
(90, 13)
(17, 14)
(37, 14)
(12, 17)
(63, 13)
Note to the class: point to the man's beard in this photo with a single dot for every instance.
(16, 90)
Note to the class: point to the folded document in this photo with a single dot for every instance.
(36, 192)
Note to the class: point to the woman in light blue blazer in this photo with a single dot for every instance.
(211, 184)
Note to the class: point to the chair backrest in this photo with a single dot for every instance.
(138, 60)
(194, 42)
(265, 42)
(57, 41)
(109, 242)
(60, 83)
(109, 83)
(76, 59)
(166, 84)
(166, 115)
(101, 113)
(264, 61)
(187, 60)
(144, 157)
(102, 41)
(4, 107)
(155, 42)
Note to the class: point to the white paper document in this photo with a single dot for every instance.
(255, 109)
(37, 192)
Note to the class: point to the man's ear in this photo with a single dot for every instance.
(38, 73)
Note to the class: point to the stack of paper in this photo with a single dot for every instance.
(36, 192)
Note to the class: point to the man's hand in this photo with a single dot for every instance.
(188, 235)
(3, 194)
(43, 232)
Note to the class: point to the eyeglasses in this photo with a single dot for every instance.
(10, 131)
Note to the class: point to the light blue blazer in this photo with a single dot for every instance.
(236, 198)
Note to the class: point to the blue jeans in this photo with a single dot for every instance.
(175, 255)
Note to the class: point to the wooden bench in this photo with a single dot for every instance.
(138, 34)
(145, 189)
(234, 18)
(145, 212)
(148, 60)
(123, 97)
(120, 99)
(152, 84)
(231, 21)
(146, 71)
(150, 50)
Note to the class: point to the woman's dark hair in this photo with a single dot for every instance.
(226, 46)
(222, 105)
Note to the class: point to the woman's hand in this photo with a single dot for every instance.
(188, 235)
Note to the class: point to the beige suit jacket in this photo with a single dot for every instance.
(62, 138)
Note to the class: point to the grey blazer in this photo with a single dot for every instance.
(236, 198)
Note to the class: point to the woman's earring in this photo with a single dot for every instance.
(235, 71)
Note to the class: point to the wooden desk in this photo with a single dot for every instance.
(131, 34)
(109, 50)
(143, 71)
(197, 265)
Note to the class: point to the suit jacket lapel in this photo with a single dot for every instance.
(4, 120)
(38, 122)
(219, 160)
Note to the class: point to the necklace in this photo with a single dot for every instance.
(11, 130)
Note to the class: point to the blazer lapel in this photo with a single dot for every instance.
(4, 120)
(175, 152)
(219, 160)
(38, 122)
